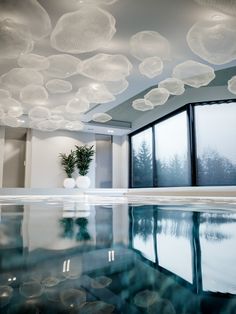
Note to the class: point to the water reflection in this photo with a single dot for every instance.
(71, 258)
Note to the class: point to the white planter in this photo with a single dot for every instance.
(69, 183)
(83, 182)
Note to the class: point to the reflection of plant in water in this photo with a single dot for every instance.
(68, 227)
(143, 222)
(82, 234)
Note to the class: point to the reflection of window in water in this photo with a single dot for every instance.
(218, 240)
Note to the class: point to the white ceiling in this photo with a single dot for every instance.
(171, 18)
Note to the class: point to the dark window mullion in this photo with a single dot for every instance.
(154, 157)
(192, 144)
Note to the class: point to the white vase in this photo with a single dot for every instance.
(69, 183)
(83, 182)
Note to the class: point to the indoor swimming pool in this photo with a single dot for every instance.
(65, 256)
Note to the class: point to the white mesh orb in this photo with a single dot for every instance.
(48, 125)
(57, 86)
(4, 94)
(225, 6)
(34, 94)
(147, 44)
(173, 85)
(157, 96)
(15, 111)
(39, 113)
(101, 117)
(78, 104)
(74, 126)
(117, 87)
(193, 73)
(151, 67)
(29, 13)
(105, 67)
(142, 105)
(214, 41)
(97, 2)
(85, 30)
(15, 39)
(11, 121)
(62, 66)
(96, 93)
(18, 78)
(232, 85)
(33, 61)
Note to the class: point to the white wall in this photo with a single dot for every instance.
(120, 163)
(2, 143)
(45, 169)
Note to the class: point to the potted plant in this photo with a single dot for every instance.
(84, 156)
(68, 163)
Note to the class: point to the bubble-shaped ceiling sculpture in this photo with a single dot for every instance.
(18, 78)
(74, 126)
(33, 61)
(97, 2)
(105, 67)
(15, 111)
(28, 13)
(96, 93)
(39, 113)
(48, 125)
(117, 87)
(7, 103)
(101, 117)
(85, 30)
(232, 85)
(15, 39)
(214, 41)
(57, 86)
(151, 67)
(142, 104)
(173, 85)
(157, 96)
(77, 105)
(193, 73)
(2, 113)
(4, 94)
(147, 44)
(225, 6)
(34, 94)
(11, 121)
(62, 66)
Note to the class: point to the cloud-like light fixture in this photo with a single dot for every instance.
(157, 96)
(147, 44)
(96, 93)
(14, 38)
(28, 13)
(4, 94)
(57, 86)
(85, 30)
(15, 111)
(62, 66)
(7, 103)
(101, 117)
(33, 61)
(117, 87)
(11, 121)
(18, 78)
(105, 67)
(225, 6)
(34, 94)
(173, 85)
(193, 73)
(48, 125)
(214, 41)
(142, 104)
(2, 113)
(77, 104)
(97, 2)
(39, 113)
(151, 67)
(232, 85)
(74, 125)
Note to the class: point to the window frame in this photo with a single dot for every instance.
(192, 144)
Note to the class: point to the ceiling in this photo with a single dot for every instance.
(171, 19)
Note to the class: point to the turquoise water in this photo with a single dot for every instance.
(69, 257)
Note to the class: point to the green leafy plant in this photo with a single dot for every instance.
(83, 158)
(68, 163)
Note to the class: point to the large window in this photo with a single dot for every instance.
(142, 161)
(193, 146)
(216, 145)
(172, 153)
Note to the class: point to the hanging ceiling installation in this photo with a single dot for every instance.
(64, 64)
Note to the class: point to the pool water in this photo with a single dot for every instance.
(69, 257)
